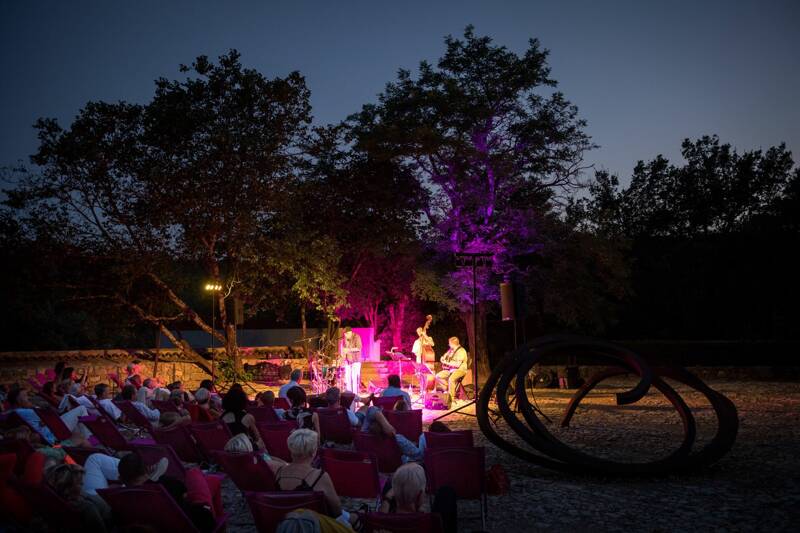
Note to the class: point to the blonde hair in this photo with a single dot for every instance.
(303, 443)
(161, 394)
(408, 483)
(239, 444)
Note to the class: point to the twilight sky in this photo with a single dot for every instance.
(645, 74)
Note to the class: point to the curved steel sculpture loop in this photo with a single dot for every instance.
(553, 453)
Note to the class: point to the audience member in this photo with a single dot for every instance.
(294, 381)
(298, 410)
(237, 419)
(102, 393)
(405, 493)
(394, 389)
(333, 398)
(19, 403)
(67, 481)
(129, 394)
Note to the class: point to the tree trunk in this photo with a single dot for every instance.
(398, 319)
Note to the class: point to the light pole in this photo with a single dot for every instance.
(213, 288)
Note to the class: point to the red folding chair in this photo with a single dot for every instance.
(150, 505)
(248, 471)
(180, 440)
(406, 423)
(263, 415)
(107, 433)
(354, 473)
(274, 437)
(80, 453)
(210, 437)
(282, 403)
(152, 453)
(452, 439)
(385, 450)
(134, 415)
(46, 503)
(334, 425)
(54, 423)
(386, 402)
(403, 523)
(21, 448)
(113, 377)
(462, 469)
(270, 508)
(100, 409)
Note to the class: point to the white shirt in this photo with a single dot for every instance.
(152, 414)
(284, 389)
(109, 407)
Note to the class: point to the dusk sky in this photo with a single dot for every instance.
(644, 74)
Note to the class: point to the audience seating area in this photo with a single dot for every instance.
(359, 463)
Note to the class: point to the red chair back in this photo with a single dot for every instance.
(282, 403)
(48, 504)
(80, 453)
(51, 419)
(106, 432)
(133, 414)
(263, 415)
(269, 508)
(463, 469)
(165, 406)
(403, 523)
(180, 440)
(451, 439)
(21, 448)
(146, 505)
(385, 450)
(354, 474)
(152, 453)
(210, 437)
(406, 423)
(247, 471)
(334, 425)
(386, 402)
(274, 437)
(115, 378)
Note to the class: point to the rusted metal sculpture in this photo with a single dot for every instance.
(552, 453)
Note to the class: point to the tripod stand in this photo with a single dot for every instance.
(472, 260)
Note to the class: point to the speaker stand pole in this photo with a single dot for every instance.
(474, 264)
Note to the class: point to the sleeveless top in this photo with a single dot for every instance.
(303, 485)
(236, 426)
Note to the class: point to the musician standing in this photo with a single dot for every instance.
(351, 351)
(454, 363)
(422, 341)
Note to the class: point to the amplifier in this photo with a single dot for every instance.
(438, 400)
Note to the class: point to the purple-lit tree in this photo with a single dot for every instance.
(493, 142)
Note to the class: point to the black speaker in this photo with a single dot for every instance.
(507, 301)
(238, 311)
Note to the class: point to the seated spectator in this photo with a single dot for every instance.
(298, 410)
(301, 475)
(207, 411)
(374, 422)
(19, 403)
(333, 397)
(237, 419)
(394, 389)
(170, 419)
(52, 454)
(215, 399)
(161, 394)
(102, 393)
(267, 399)
(294, 381)
(48, 394)
(67, 481)
(435, 427)
(184, 395)
(133, 472)
(129, 394)
(405, 493)
(134, 368)
(149, 386)
(75, 395)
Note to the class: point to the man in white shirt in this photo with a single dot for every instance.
(103, 394)
(129, 393)
(294, 381)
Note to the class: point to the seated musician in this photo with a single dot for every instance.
(454, 366)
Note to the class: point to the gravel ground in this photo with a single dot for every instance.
(755, 487)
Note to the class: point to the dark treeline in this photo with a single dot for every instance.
(126, 213)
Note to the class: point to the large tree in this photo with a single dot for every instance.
(490, 139)
(193, 177)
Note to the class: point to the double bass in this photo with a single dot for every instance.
(428, 355)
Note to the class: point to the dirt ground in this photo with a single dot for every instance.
(755, 487)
